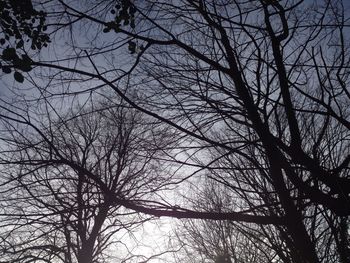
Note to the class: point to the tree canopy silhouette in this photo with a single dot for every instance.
(258, 92)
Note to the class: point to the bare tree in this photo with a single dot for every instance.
(221, 241)
(52, 210)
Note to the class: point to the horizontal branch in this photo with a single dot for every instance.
(180, 213)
